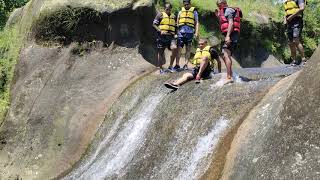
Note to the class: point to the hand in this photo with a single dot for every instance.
(285, 21)
(227, 40)
(198, 77)
(163, 33)
(216, 12)
(196, 35)
(289, 18)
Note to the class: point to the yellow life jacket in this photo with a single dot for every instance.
(168, 23)
(187, 17)
(291, 7)
(200, 54)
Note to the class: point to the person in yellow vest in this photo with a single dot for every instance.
(188, 27)
(202, 61)
(165, 24)
(294, 21)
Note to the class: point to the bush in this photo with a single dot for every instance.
(10, 44)
(7, 6)
(66, 25)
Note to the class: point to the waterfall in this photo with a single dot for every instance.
(116, 151)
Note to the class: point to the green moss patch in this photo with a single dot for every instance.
(68, 24)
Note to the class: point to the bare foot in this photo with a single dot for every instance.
(228, 80)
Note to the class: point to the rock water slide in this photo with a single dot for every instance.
(74, 117)
(152, 133)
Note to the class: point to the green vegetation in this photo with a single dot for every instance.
(66, 25)
(10, 45)
(6, 7)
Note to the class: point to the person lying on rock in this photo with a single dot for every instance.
(203, 63)
(165, 25)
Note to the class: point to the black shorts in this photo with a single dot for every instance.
(234, 41)
(206, 74)
(165, 41)
(294, 28)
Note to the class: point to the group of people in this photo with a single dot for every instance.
(176, 32)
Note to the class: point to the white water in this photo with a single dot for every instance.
(122, 147)
(222, 81)
(198, 162)
(185, 161)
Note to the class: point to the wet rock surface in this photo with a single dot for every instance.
(153, 133)
(280, 138)
(61, 96)
(58, 101)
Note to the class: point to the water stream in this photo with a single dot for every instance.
(153, 133)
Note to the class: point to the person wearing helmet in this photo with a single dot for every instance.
(165, 24)
(294, 21)
(188, 28)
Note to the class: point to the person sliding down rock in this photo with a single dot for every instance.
(188, 28)
(230, 27)
(203, 62)
(294, 21)
(165, 25)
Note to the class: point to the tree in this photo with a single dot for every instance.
(6, 7)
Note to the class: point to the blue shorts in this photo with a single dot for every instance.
(184, 39)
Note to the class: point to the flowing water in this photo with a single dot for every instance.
(153, 133)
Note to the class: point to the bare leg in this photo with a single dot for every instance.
(185, 77)
(219, 61)
(161, 58)
(300, 48)
(188, 52)
(179, 49)
(228, 62)
(174, 53)
(293, 50)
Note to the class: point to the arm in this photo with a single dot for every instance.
(229, 14)
(156, 28)
(219, 60)
(196, 24)
(301, 9)
(230, 28)
(156, 22)
(177, 25)
(197, 30)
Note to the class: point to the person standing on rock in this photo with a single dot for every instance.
(203, 62)
(165, 24)
(188, 28)
(294, 21)
(229, 19)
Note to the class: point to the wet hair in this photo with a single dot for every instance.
(168, 5)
